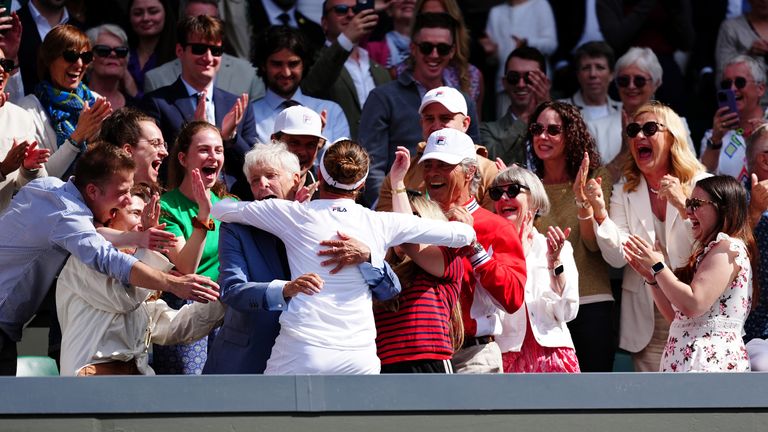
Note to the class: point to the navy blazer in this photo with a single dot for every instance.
(244, 343)
(172, 107)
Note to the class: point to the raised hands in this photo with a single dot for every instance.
(556, 238)
(150, 216)
(361, 25)
(233, 117)
(399, 167)
(14, 158)
(724, 120)
(201, 196)
(345, 251)
(641, 256)
(91, 117)
(35, 157)
(10, 35)
(673, 192)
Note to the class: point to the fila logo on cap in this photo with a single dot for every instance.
(440, 140)
(307, 119)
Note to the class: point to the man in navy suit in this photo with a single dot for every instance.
(255, 277)
(193, 97)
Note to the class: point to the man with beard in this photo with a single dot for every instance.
(300, 129)
(281, 56)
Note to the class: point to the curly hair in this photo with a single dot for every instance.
(576, 137)
(683, 163)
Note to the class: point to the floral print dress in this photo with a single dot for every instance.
(712, 342)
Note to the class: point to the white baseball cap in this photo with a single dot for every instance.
(450, 146)
(448, 97)
(299, 120)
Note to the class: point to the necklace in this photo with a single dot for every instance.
(653, 191)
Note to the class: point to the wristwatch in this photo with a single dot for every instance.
(657, 268)
(558, 270)
(207, 226)
(711, 144)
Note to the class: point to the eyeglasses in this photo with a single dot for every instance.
(105, 51)
(7, 64)
(201, 49)
(512, 190)
(71, 56)
(513, 77)
(624, 80)
(649, 129)
(740, 83)
(694, 203)
(536, 129)
(342, 10)
(426, 48)
(157, 143)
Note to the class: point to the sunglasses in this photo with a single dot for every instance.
(536, 129)
(71, 56)
(649, 129)
(201, 49)
(513, 77)
(342, 10)
(512, 190)
(624, 80)
(7, 64)
(694, 203)
(426, 48)
(740, 83)
(105, 51)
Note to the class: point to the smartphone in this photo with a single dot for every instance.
(363, 5)
(7, 5)
(727, 98)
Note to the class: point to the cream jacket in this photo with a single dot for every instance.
(15, 123)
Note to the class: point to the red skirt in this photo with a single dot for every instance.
(534, 358)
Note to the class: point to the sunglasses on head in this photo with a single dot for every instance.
(624, 80)
(426, 48)
(71, 56)
(7, 64)
(201, 49)
(740, 83)
(513, 77)
(694, 203)
(536, 129)
(512, 190)
(649, 129)
(105, 51)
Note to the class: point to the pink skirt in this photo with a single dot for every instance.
(534, 358)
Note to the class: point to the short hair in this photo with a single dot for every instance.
(61, 38)
(434, 20)
(756, 68)
(645, 59)
(123, 126)
(115, 30)
(275, 155)
(756, 143)
(346, 162)
(100, 162)
(474, 182)
(528, 53)
(207, 2)
(277, 38)
(525, 177)
(595, 49)
(207, 27)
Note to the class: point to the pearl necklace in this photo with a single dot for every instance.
(653, 191)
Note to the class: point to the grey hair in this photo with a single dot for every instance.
(114, 30)
(275, 155)
(756, 143)
(474, 183)
(520, 175)
(645, 59)
(756, 68)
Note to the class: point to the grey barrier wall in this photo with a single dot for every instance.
(613, 401)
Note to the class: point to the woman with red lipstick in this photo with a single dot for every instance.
(564, 155)
(707, 299)
(536, 338)
(648, 202)
(193, 180)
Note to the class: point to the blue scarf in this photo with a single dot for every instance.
(63, 107)
(399, 48)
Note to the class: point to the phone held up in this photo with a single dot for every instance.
(363, 5)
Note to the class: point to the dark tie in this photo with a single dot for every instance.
(288, 103)
(284, 18)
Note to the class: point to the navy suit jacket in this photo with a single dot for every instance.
(244, 343)
(172, 107)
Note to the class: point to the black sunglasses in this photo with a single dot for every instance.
(105, 51)
(512, 190)
(513, 77)
(200, 49)
(740, 83)
(426, 48)
(71, 56)
(342, 10)
(649, 129)
(536, 129)
(694, 203)
(7, 64)
(624, 80)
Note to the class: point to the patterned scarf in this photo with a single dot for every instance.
(63, 107)
(399, 48)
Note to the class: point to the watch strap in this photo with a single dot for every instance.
(209, 225)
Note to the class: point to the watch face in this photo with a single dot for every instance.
(659, 266)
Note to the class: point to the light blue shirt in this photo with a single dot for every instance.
(46, 222)
(266, 109)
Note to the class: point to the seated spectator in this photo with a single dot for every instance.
(594, 71)
(300, 129)
(65, 112)
(536, 338)
(526, 83)
(333, 330)
(152, 38)
(108, 72)
(390, 115)
(107, 327)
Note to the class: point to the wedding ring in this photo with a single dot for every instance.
(590, 187)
